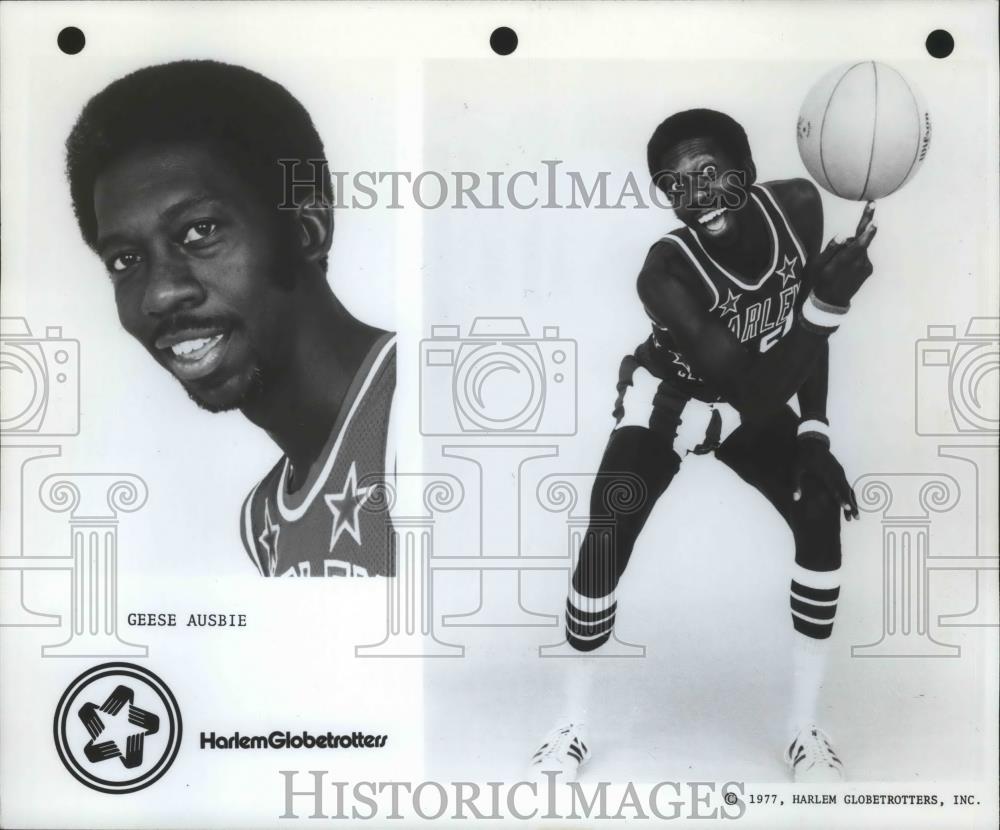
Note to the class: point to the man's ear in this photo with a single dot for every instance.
(315, 221)
(751, 169)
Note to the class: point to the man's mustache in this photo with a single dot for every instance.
(182, 322)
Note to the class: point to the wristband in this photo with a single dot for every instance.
(821, 315)
(815, 429)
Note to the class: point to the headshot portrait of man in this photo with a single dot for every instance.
(178, 181)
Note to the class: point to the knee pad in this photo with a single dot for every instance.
(816, 528)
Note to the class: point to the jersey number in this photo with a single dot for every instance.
(773, 336)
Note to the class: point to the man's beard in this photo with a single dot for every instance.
(253, 391)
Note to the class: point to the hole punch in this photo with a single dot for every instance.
(503, 41)
(940, 43)
(71, 40)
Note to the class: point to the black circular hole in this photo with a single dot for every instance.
(940, 43)
(503, 41)
(71, 40)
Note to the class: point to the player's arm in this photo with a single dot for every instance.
(754, 384)
(803, 206)
(801, 203)
(814, 460)
(813, 392)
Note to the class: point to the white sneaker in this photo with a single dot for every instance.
(563, 750)
(812, 758)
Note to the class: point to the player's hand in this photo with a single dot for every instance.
(843, 266)
(816, 466)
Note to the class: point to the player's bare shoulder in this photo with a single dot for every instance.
(801, 203)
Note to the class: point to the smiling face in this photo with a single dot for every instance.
(706, 187)
(193, 256)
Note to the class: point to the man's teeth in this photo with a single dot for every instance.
(199, 344)
(710, 217)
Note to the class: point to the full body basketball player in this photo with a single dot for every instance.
(176, 185)
(743, 303)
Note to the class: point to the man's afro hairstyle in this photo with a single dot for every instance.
(251, 120)
(697, 123)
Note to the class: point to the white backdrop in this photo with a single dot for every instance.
(706, 590)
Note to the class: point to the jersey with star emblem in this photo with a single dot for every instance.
(759, 309)
(337, 522)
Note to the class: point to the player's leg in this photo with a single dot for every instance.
(635, 471)
(638, 464)
(763, 454)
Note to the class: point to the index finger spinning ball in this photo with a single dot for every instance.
(863, 131)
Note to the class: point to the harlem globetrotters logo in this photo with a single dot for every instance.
(117, 728)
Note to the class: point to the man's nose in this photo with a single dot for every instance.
(704, 192)
(171, 286)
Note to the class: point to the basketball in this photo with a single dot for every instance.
(863, 131)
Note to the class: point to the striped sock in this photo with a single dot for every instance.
(589, 620)
(813, 598)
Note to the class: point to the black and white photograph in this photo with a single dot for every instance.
(644, 359)
(217, 253)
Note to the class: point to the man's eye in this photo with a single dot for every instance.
(123, 262)
(199, 231)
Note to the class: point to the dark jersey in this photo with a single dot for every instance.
(758, 308)
(336, 522)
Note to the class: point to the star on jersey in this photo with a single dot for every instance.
(685, 368)
(787, 270)
(269, 540)
(345, 507)
(729, 306)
